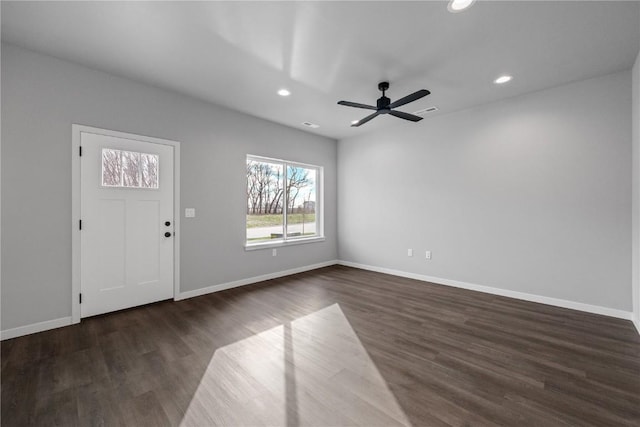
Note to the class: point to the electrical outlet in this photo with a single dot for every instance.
(409, 252)
(190, 213)
(274, 252)
(428, 255)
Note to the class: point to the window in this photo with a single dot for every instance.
(129, 169)
(281, 196)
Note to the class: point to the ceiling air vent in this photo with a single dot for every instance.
(425, 111)
(311, 125)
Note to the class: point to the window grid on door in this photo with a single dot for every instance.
(129, 169)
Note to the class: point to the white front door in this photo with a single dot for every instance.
(127, 228)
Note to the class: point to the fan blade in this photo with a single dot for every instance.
(355, 104)
(409, 98)
(405, 116)
(365, 120)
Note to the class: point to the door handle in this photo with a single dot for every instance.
(167, 223)
(167, 234)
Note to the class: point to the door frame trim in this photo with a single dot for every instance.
(76, 195)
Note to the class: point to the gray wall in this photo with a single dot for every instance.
(635, 118)
(530, 194)
(41, 98)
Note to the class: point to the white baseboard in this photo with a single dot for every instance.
(605, 311)
(34, 328)
(66, 321)
(251, 280)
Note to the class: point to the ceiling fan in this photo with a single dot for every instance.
(385, 106)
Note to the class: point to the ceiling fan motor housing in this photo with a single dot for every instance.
(383, 102)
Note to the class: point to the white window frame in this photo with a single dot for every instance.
(285, 241)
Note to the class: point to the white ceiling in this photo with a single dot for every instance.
(238, 54)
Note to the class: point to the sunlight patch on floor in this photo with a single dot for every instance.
(312, 371)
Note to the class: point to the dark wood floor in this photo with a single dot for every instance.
(335, 346)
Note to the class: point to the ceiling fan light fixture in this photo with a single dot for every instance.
(503, 79)
(456, 6)
(284, 92)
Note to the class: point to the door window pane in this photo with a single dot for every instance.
(130, 169)
(149, 170)
(111, 168)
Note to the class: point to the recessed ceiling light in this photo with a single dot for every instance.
(284, 92)
(311, 125)
(459, 5)
(502, 79)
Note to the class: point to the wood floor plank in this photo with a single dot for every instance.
(330, 347)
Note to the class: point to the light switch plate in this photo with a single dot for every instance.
(190, 213)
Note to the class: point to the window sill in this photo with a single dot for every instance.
(281, 243)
